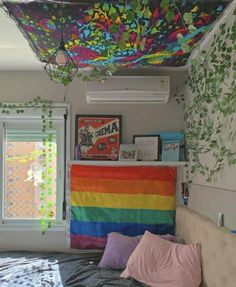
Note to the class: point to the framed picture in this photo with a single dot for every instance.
(148, 147)
(97, 137)
(170, 150)
(128, 152)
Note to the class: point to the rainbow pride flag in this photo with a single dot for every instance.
(123, 199)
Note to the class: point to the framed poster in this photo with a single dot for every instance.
(97, 137)
(148, 147)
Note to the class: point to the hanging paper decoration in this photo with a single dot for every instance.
(117, 33)
(34, 174)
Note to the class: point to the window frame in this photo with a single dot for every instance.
(62, 127)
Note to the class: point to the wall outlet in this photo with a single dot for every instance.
(220, 219)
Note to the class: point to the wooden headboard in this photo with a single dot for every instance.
(218, 247)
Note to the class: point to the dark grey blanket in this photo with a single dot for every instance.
(25, 269)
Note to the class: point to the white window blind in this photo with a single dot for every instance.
(29, 135)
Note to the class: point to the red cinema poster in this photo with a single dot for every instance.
(98, 137)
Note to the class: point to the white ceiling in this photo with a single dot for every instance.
(15, 53)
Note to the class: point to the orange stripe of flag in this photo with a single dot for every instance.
(122, 186)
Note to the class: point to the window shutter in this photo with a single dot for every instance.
(29, 135)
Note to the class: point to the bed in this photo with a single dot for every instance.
(218, 247)
(21, 269)
(80, 270)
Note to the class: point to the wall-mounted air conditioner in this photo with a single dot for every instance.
(129, 89)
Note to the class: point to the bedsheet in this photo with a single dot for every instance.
(25, 269)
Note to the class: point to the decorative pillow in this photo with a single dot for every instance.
(119, 248)
(160, 263)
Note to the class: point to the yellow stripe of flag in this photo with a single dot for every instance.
(129, 201)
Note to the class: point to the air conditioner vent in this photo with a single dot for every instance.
(130, 89)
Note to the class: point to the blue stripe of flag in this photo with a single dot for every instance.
(101, 229)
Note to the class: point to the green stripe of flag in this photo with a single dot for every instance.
(97, 214)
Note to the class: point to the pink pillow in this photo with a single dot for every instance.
(160, 263)
(119, 247)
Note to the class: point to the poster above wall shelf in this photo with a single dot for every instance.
(97, 137)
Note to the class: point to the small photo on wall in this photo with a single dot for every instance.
(148, 147)
(128, 152)
(170, 150)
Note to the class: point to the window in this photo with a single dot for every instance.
(27, 189)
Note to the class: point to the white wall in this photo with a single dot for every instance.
(210, 198)
(20, 86)
(209, 201)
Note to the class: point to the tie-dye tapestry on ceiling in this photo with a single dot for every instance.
(119, 33)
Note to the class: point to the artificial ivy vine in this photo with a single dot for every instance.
(210, 109)
(46, 154)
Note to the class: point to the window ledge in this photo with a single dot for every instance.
(56, 228)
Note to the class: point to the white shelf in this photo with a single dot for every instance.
(129, 163)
